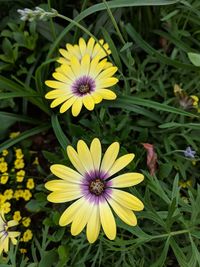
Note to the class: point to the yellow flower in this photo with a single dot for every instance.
(19, 154)
(3, 166)
(2, 199)
(23, 250)
(27, 235)
(36, 161)
(5, 235)
(91, 48)
(8, 193)
(4, 178)
(2, 159)
(27, 195)
(185, 184)
(30, 183)
(5, 152)
(5, 207)
(26, 221)
(19, 164)
(196, 100)
(14, 134)
(20, 176)
(17, 216)
(95, 193)
(18, 193)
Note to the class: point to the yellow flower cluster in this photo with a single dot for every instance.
(20, 176)
(25, 194)
(19, 162)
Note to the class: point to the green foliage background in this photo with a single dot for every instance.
(150, 42)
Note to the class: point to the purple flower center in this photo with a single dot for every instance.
(83, 85)
(97, 187)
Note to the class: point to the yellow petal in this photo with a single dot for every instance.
(95, 150)
(69, 213)
(62, 78)
(75, 66)
(104, 83)
(56, 85)
(56, 93)
(67, 104)
(107, 220)
(62, 60)
(90, 46)
(85, 156)
(93, 225)
(74, 50)
(64, 196)
(56, 185)
(88, 102)
(82, 46)
(107, 73)
(85, 65)
(74, 158)
(67, 71)
(64, 53)
(94, 71)
(107, 94)
(65, 173)
(77, 106)
(12, 223)
(120, 163)
(81, 218)
(13, 234)
(96, 97)
(127, 200)
(124, 214)
(127, 179)
(56, 102)
(110, 157)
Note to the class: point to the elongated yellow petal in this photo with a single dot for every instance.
(110, 157)
(60, 100)
(67, 71)
(108, 82)
(56, 85)
(63, 60)
(75, 66)
(127, 179)
(95, 150)
(93, 225)
(67, 104)
(107, 73)
(69, 213)
(120, 163)
(107, 94)
(56, 185)
(82, 46)
(85, 65)
(64, 53)
(64, 196)
(127, 200)
(81, 218)
(85, 156)
(124, 214)
(90, 46)
(96, 97)
(62, 78)
(13, 234)
(56, 93)
(77, 106)
(88, 102)
(66, 173)
(94, 72)
(12, 223)
(107, 220)
(74, 158)
(74, 50)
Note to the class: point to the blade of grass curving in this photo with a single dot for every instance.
(18, 118)
(62, 139)
(101, 6)
(13, 95)
(24, 135)
(150, 50)
(130, 103)
(194, 126)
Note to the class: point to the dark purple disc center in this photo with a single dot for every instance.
(83, 85)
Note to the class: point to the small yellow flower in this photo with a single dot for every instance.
(19, 154)
(27, 195)
(5, 207)
(4, 178)
(36, 161)
(18, 193)
(8, 193)
(2, 199)
(26, 221)
(3, 167)
(2, 159)
(14, 134)
(27, 235)
(23, 250)
(17, 216)
(5, 152)
(185, 184)
(196, 100)
(30, 183)
(5, 235)
(20, 176)
(19, 164)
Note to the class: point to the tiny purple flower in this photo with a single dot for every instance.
(189, 153)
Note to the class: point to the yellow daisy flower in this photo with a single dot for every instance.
(5, 235)
(82, 83)
(91, 48)
(96, 193)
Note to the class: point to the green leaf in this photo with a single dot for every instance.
(161, 260)
(194, 58)
(178, 253)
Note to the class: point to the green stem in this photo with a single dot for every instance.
(114, 23)
(51, 21)
(179, 232)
